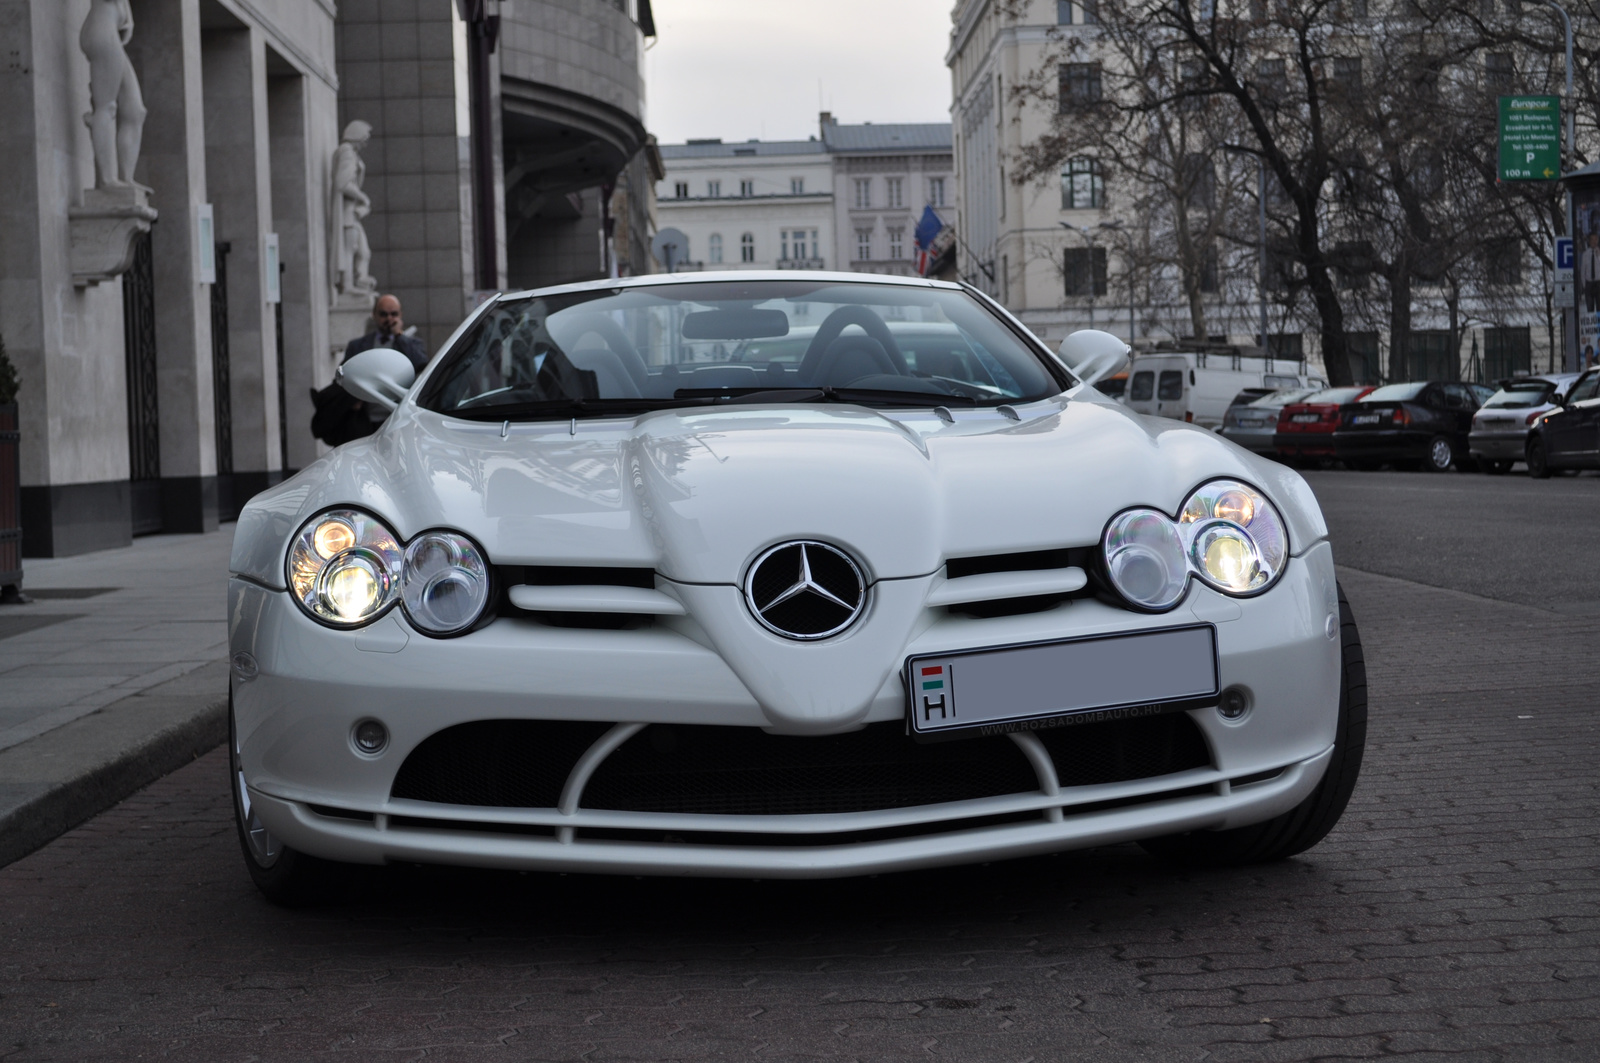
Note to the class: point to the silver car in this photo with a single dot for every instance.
(1499, 433)
(1251, 423)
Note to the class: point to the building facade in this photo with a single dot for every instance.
(1071, 251)
(163, 278)
(848, 199)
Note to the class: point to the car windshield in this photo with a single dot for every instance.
(1333, 396)
(1521, 396)
(632, 349)
(1395, 392)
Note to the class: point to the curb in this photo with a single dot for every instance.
(53, 783)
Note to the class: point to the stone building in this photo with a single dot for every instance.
(169, 336)
(848, 199)
(164, 340)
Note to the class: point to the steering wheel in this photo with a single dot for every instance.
(835, 323)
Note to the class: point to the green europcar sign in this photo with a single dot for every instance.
(1530, 138)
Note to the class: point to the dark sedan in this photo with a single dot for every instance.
(1568, 438)
(1422, 424)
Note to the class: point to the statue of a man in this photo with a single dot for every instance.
(351, 253)
(116, 118)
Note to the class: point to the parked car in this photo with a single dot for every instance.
(593, 599)
(1567, 437)
(1500, 428)
(1304, 432)
(1199, 386)
(1252, 418)
(1422, 424)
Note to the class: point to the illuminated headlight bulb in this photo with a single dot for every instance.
(1235, 506)
(353, 585)
(1227, 558)
(332, 538)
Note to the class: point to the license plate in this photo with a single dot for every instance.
(1306, 418)
(1364, 418)
(1040, 685)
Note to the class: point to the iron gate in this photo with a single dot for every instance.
(144, 414)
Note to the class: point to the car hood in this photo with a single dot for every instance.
(696, 494)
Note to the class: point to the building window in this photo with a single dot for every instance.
(797, 186)
(936, 191)
(1198, 179)
(1082, 185)
(863, 245)
(799, 244)
(1272, 80)
(897, 247)
(1347, 72)
(1210, 273)
(1080, 85)
(863, 198)
(747, 188)
(714, 248)
(1502, 262)
(1088, 12)
(895, 189)
(713, 189)
(1085, 270)
(747, 247)
(681, 190)
(1063, 12)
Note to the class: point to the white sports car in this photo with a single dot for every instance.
(608, 592)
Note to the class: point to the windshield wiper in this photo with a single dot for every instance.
(853, 396)
(555, 409)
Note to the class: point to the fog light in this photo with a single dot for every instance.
(371, 736)
(1234, 703)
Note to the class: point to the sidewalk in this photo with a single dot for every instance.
(113, 676)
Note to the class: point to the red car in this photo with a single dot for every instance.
(1305, 429)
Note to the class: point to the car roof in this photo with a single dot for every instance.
(727, 275)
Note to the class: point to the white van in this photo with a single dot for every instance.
(1197, 386)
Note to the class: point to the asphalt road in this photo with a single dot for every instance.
(1452, 915)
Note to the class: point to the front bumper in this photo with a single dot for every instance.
(320, 795)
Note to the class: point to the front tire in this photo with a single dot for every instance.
(1307, 823)
(283, 875)
(1538, 462)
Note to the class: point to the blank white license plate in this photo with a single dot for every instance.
(1364, 418)
(1040, 685)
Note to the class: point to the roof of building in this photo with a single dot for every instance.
(716, 149)
(905, 136)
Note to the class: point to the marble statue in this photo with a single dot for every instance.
(347, 243)
(116, 117)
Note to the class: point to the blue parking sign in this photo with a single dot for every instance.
(1564, 253)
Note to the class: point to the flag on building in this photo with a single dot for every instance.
(927, 231)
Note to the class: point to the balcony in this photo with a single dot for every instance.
(801, 263)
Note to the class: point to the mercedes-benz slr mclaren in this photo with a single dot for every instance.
(611, 592)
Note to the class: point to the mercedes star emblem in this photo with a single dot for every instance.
(805, 590)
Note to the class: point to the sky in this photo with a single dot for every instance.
(738, 69)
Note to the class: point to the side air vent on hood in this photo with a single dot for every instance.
(585, 596)
(1008, 584)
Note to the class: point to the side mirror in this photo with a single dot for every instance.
(1094, 355)
(382, 375)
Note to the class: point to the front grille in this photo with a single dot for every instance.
(712, 770)
(745, 771)
(1120, 750)
(498, 763)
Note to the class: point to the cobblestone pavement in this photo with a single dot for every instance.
(1451, 916)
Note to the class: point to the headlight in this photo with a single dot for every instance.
(344, 568)
(446, 582)
(1226, 533)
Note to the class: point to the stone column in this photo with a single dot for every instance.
(239, 177)
(166, 52)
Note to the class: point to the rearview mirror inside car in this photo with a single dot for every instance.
(381, 375)
(1094, 355)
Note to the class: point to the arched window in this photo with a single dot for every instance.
(715, 245)
(747, 247)
(1082, 184)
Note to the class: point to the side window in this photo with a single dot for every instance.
(1457, 397)
(1144, 385)
(1171, 386)
(1585, 388)
(1432, 397)
(1480, 393)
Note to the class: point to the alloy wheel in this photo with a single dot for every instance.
(1439, 454)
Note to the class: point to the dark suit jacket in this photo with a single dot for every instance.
(409, 346)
